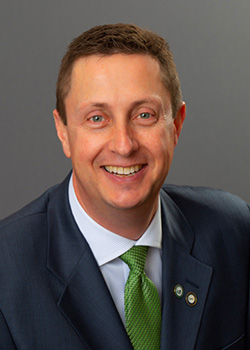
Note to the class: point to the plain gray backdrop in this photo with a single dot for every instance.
(210, 40)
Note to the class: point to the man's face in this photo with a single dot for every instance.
(120, 134)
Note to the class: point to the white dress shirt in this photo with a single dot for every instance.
(107, 246)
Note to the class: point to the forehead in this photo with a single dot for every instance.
(117, 71)
(96, 64)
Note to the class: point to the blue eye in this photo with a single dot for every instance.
(145, 115)
(97, 118)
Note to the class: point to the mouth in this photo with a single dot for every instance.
(123, 171)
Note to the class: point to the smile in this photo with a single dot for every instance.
(127, 171)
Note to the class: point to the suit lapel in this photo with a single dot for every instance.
(85, 300)
(87, 304)
(181, 320)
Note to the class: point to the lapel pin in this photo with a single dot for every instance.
(178, 291)
(191, 299)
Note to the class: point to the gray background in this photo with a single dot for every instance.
(210, 40)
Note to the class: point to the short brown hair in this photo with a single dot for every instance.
(118, 38)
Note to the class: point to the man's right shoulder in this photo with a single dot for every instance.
(36, 208)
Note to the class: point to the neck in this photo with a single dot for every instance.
(128, 223)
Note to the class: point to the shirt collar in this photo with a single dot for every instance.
(107, 245)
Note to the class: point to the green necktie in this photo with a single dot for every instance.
(142, 303)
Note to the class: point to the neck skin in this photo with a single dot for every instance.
(129, 223)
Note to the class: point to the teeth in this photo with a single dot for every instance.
(123, 170)
(126, 171)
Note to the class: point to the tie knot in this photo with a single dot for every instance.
(135, 258)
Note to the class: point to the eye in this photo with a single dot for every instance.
(145, 118)
(144, 115)
(97, 119)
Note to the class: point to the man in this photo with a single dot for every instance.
(65, 273)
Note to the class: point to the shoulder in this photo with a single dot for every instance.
(24, 235)
(211, 202)
(33, 210)
(212, 212)
(33, 219)
(200, 194)
(220, 222)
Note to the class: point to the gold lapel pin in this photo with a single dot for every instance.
(191, 299)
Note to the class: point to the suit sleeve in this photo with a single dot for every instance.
(6, 341)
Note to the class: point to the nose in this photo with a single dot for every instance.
(123, 141)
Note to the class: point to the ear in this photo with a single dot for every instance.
(179, 120)
(62, 133)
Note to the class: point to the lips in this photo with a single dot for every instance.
(128, 171)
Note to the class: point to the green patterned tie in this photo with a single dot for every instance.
(142, 303)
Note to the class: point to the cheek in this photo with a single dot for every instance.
(161, 143)
(85, 149)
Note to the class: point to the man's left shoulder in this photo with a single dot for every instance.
(219, 221)
(202, 203)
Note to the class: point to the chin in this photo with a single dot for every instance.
(127, 203)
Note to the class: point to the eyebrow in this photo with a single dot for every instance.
(134, 104)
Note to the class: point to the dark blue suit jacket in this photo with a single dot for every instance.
(53, 296)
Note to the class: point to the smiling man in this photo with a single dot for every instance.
(112, 258)
(120, 135)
